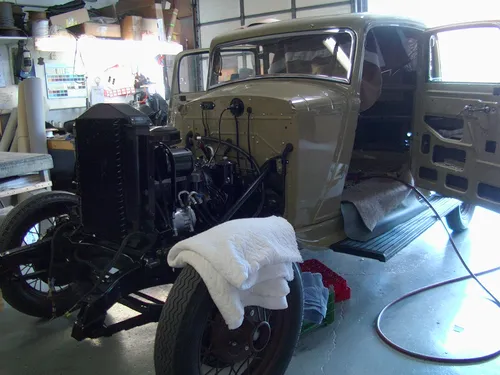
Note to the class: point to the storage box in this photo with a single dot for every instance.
(35, 15)
(185, 9)
(150, 29)
(98, 29)
(143, 8)
(109, 11)
(132, 28)
(72, 18)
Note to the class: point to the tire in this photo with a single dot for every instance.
(19, 294)
(183, 322)
(459, 219)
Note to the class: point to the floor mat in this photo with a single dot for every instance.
(389, 244)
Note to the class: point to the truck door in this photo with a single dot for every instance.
(189, 79)
(456, 127)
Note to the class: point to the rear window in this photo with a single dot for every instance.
(327, 54)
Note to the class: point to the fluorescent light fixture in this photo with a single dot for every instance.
(55, 43)
(62, 43)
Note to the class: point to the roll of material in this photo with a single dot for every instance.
(10, 131)
(40, 28)
(35, 115)
(14, 147)
(23, 141)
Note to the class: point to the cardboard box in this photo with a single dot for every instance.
(109, 11)
(35, 15)
(143, 8)
(150, 29)
(132, 28)
(98, 29)
(185, 9)
(72, 18)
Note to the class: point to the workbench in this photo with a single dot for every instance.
(63, 154)
(22, 173)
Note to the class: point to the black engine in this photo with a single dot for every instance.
(135, 177)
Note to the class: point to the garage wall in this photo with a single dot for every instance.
(443, 11)
(219, 16)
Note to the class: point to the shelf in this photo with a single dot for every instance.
(11, 39)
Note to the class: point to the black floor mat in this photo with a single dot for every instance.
(390, 243)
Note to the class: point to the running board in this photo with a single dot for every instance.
(387, 245)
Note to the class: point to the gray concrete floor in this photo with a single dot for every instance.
(455, 320)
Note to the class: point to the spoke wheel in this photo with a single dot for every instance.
(193, 339)
(30, 272)
(26, 286)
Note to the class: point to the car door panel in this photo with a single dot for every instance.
(456, 129)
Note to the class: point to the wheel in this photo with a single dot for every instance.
(28, 222)
(193, 339)
(459, 219)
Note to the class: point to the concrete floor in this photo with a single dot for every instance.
(455, 320)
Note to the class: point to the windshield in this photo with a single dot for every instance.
(327, 54)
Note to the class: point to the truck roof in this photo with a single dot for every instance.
(355, 21)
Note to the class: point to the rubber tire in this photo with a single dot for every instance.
(185, 312)
(16, 224)
(457, 220)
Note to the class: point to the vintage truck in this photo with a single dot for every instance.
(332, 123)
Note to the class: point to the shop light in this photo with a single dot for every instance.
(61, 43)
(56, 43)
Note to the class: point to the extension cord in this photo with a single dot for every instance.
(471, 275)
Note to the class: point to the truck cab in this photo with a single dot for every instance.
(363, 99)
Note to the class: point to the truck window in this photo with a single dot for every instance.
(326, 54)
(233, 65)
(193, 71)
(465, 55)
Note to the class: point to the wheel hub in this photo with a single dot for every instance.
(228, 347)
(260, 337)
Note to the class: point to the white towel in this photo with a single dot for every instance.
(244, 262)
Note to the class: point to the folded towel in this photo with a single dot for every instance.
(315, 297)
(244, 262)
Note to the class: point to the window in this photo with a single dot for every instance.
(465, 55)
(327, 54)
(193, 71)
(235, 64)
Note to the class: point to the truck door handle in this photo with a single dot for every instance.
(470, 109)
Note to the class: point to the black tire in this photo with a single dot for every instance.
(19, 294)
(183, 322)
(459, 219)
